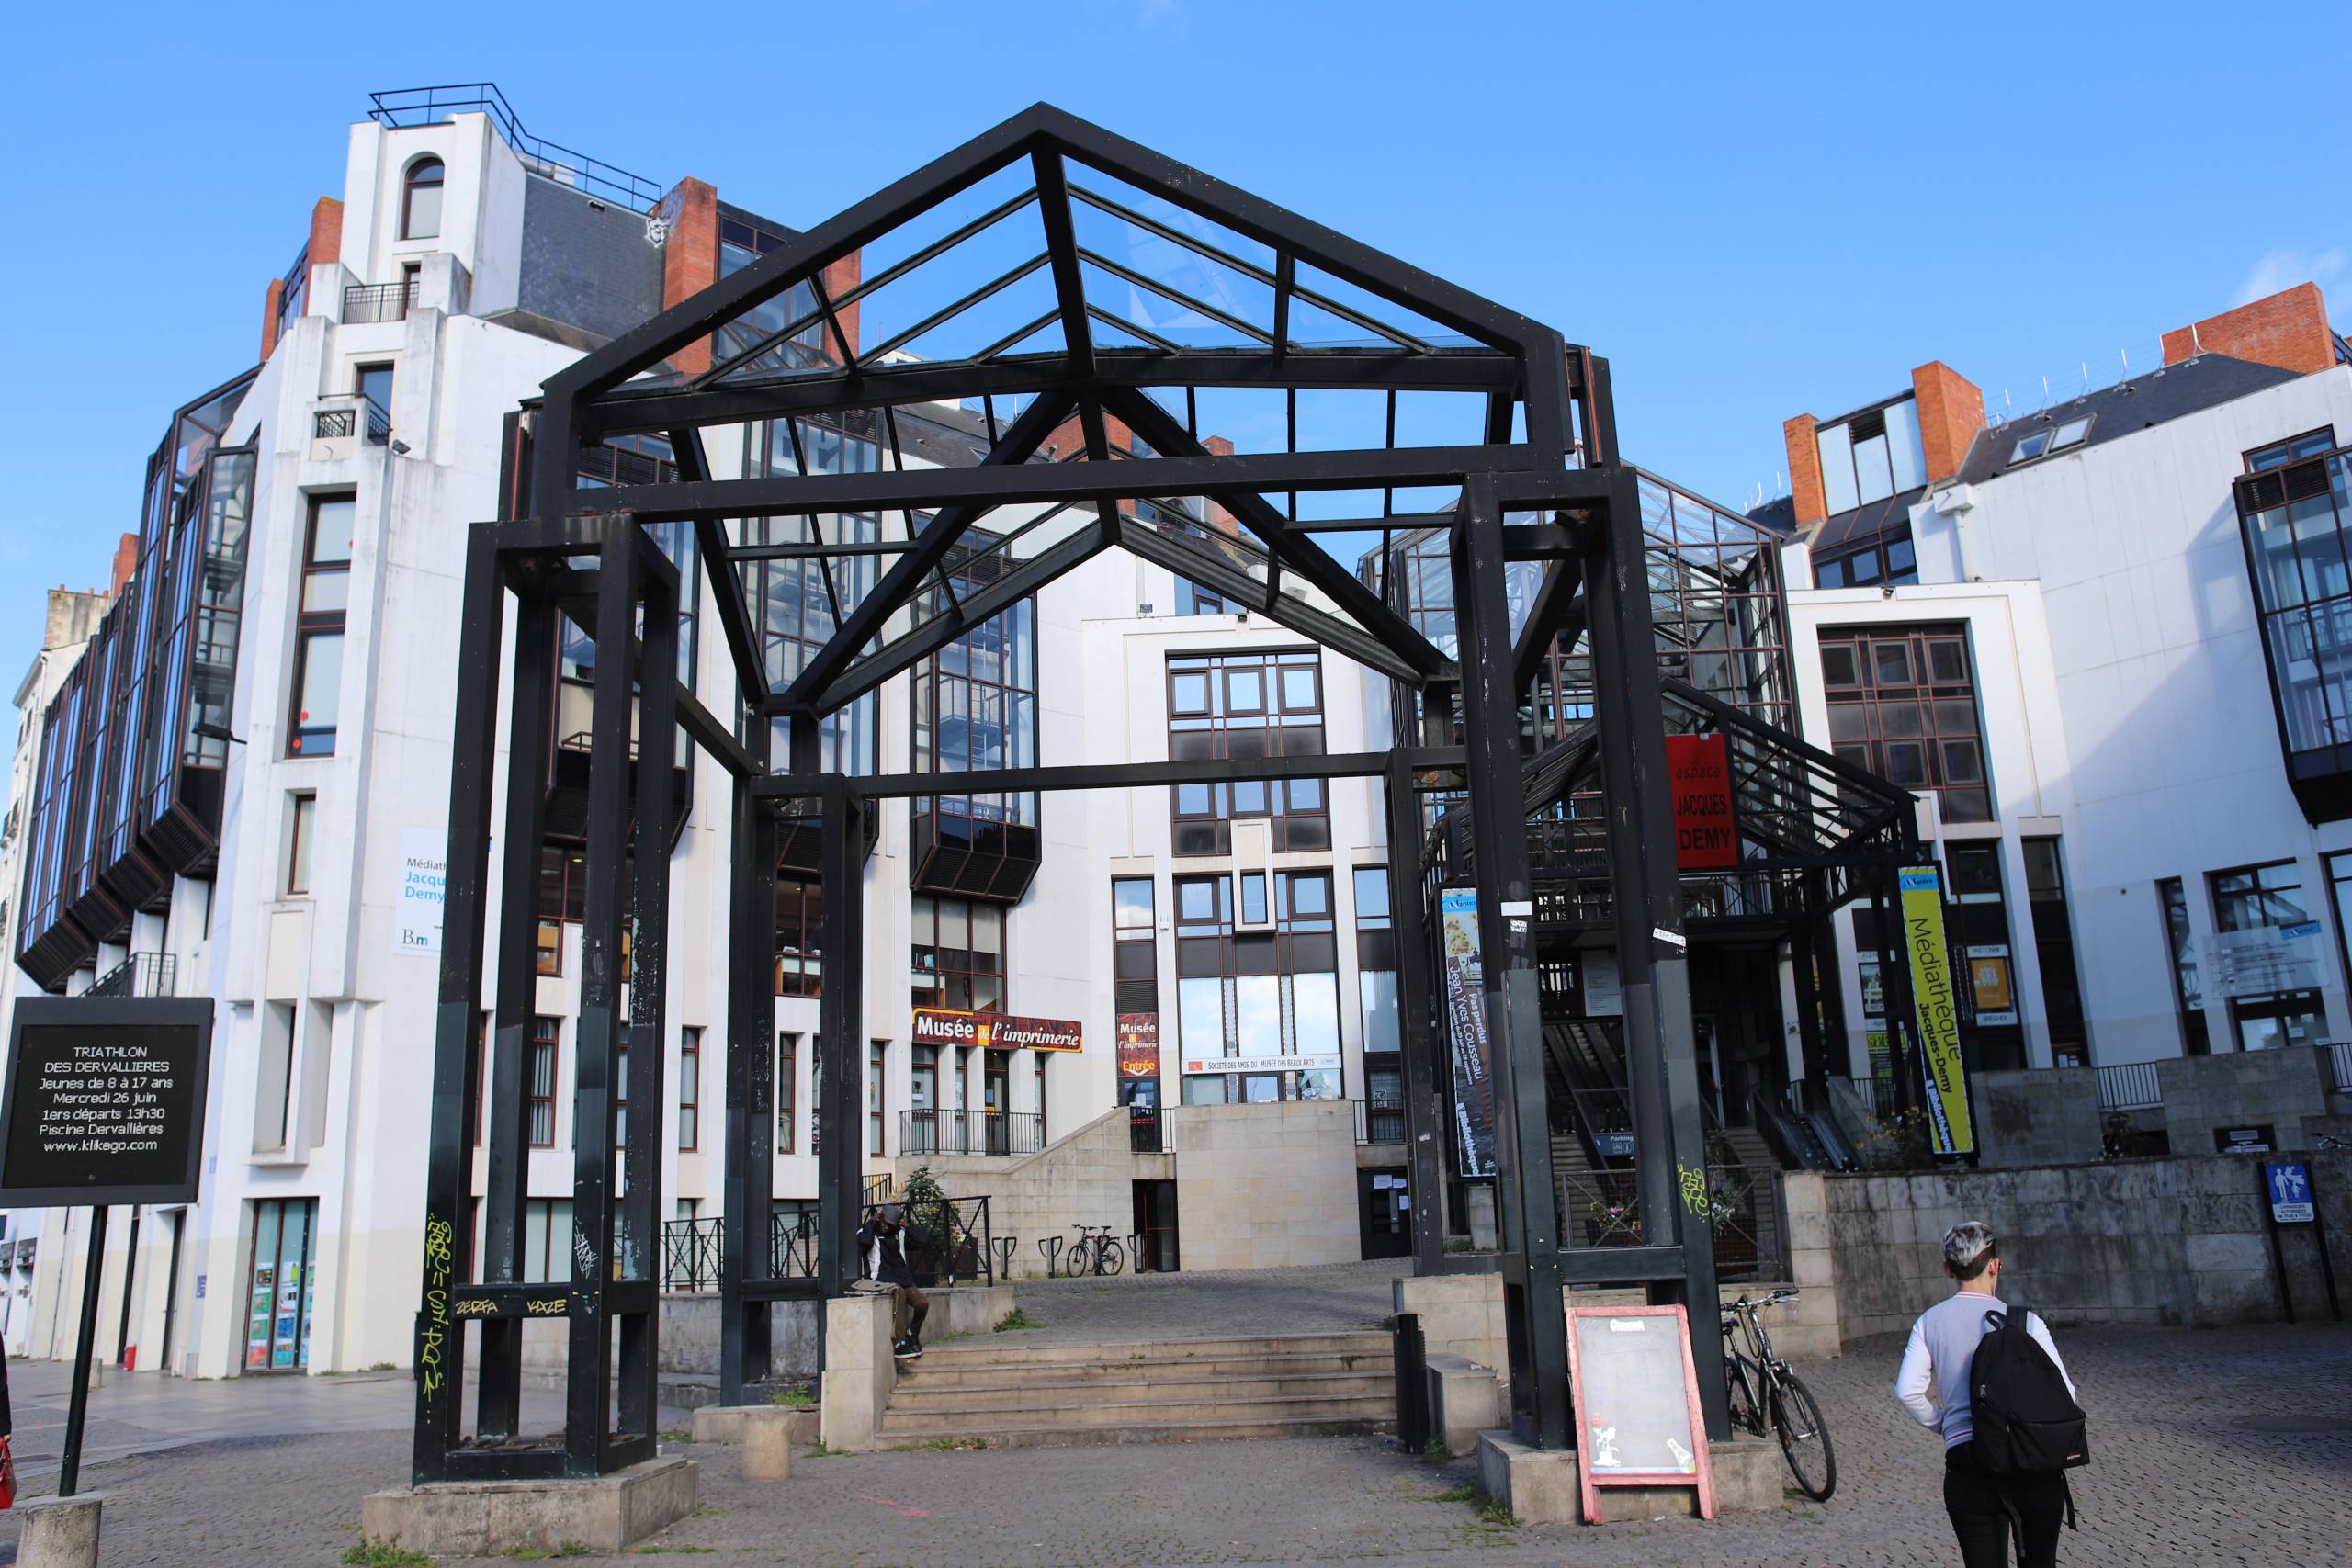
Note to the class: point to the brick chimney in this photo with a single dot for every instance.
(1952, 410)
(2288, 329)
(690, 261)
(1804, 470)
(126, 561)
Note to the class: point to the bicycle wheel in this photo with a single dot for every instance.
(1114, 1257)
(1740, 1395)
(1805, 1437)
(1078, 1256)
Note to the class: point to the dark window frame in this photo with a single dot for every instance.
(689, 1088)
(958, 984)
(1202, 816)
(546, 1046)
(1926, 696)
(427, 172)
(311, 625)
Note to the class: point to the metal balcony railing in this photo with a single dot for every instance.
(1147, 1130)
(364, 303)
(2130, 1086)
(970, 1132)
(2339, 1058)
(334, 424)
(141, 975)
(1379, 1122)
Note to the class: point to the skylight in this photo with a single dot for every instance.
(2042, 443)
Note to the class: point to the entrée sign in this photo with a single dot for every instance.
(942, 1026)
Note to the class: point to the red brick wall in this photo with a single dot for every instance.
(2288, 329)
(326, 231)
(840, 278)
(1804, 470)
(689, 262)
(1952, 410)
(272, 298)
(126, 560)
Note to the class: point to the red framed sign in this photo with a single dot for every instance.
(1635, 1393)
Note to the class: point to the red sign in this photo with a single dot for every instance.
(1139, 1044)
(1698, 770)
(940, 1026)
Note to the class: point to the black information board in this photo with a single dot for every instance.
(105, 1100)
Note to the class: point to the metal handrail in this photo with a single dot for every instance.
(2339, 1058)
(403, 107)
(141, 975)
(2130, 1086)
(1380, 1122)
(369, 302)
(970, 1132)
(1147, 1130)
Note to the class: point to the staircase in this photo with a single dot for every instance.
(1163, 1390)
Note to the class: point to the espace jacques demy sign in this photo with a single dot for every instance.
(1698, 770)
(998, 1032)
(105, 1099)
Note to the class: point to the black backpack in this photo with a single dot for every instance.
(2027, 1424)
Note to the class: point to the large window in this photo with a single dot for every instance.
(2188, 986)
(545, 1032)
(800, 938)
(958, 954)
(1870, 455)
(1882, 561)
(2053, 946)
(547, 1240)
(421, 200)
(2252, 898)
(1248, 704)
(1383, 1067)
(318, 627)
(741, 243)
(974, 708)
(2294, 507)
(1902, 704)
(1253, 997)
(1980, 922)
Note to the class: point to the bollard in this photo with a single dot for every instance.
(60, 1532)
(1412, 1385)
(767, 1448)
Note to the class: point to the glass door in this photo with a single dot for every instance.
(277, 1313)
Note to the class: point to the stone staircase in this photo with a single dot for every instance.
(1160, 1391)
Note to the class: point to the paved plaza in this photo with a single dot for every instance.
(2229, 1446)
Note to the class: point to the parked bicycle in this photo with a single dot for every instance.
(1093, 1251)
(1766, 1396)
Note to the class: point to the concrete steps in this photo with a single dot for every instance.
(1144, 1390)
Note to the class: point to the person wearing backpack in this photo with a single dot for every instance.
(2004, 1405)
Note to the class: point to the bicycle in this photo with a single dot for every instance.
(1765, 1395)
(1093, 1251)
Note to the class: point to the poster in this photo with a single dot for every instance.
(1603, 998)
(1935, 1005)
(417, 913)
(1990, 987)
(2265, 959)
(1873, 988)
(1138, 1045)
(1466, 1009)
(1698, 770)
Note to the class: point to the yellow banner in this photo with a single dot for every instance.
(1935, 1006)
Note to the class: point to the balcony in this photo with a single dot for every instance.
(1002, 1133)
(365, 304)
(141, 975)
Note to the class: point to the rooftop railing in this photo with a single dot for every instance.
(404, 107)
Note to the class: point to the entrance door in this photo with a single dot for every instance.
(997, 1085)
(1387, 1214)
(277, 1316)
(1155, 1226)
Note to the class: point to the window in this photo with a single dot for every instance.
(421, 200)
(1376, 996)
(876, 1063)
(1247, 704)
(1261, 995)
(299, 826)
(788, 1084)
(547, 1240)
(2188, 989)
(922, 1101)
(958, 954)
(689, 1089)
(1903, 705)
(2053, 945)
(2057, 437)
(2294, 513)
(975, 706)
(620, 1096)
(1890, 561)
(318, 627)
(1870, 455)
(1135, 946)
(374, 385)
(800, 938)
(2310, 443)
(279, 1273)
(741, 243)
(1980, 926)
(2253, 898)
(545, 1033)
(1042, 1057)
(478, 1069)
(797, 602)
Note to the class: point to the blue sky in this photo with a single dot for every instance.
(1753, 214)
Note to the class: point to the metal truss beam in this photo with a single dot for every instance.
(1120, 775)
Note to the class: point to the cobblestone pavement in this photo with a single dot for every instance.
(1341, 1297)
(2220, 1447)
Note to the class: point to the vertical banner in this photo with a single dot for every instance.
(1935, 1007)
(1466, 1009)
(1698, 769)
(1138, 1045)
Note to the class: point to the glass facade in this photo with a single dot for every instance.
(1255, 998)
(1870, 455)
(2294, 506)
(1248, 704)
(126, 787)
(1903, 705)
(2187, 983)
(975, 708)
(2256, 897)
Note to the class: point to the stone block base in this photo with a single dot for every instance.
(1539, 1485)
(60, 1532)
(725, 1423)
(1464, 1400)
(485, 1519)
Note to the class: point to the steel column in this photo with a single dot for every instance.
(841, 1052)
(1652, 962)
(588, 1389)
(1527, 1208)
(506, 1118)
(1416, 1034)
(448, 1195)
(748, 1199)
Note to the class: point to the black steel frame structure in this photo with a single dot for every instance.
(1542, 481)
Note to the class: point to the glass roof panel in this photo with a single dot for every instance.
(984, 322)
(1179, 322)
(1400, 317)
(1087, 181)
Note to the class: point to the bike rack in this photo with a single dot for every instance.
(1049, 1248)
(1003, 1247)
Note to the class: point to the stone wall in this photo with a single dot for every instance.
(2179, 1240)
(1462, 1315)
(1266, 1186)
(2037, 1117)
(2242, 1087)
(1087, 1177)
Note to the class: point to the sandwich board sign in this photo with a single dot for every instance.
(1634, 1392)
